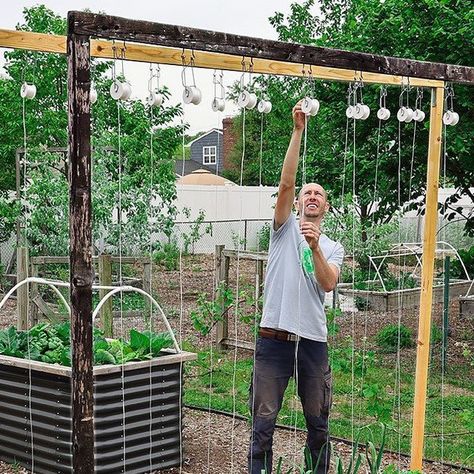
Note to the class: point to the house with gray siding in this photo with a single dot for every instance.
(206, 151)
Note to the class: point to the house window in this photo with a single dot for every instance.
(209, 154)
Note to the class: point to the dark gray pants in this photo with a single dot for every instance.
(275, 363)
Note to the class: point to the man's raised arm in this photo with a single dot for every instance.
(286, 189)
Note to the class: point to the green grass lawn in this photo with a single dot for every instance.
(377, 400)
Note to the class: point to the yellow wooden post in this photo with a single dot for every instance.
(427, 274)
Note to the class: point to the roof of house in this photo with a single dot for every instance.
(189, 167)
(204, 177)
(204, 135)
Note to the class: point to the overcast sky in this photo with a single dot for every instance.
(245, 17)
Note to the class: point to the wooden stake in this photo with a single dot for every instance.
(427, 275)
(80, 234)
(22, 292)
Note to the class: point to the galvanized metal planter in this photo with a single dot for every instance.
(408, 298)
(137, 415)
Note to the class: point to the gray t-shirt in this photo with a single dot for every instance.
(293, 299)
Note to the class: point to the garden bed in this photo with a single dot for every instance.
(466, 306)
(137, 414)
(407, 298)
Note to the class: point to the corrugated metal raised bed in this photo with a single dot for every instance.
(408, 298)
(137, 415)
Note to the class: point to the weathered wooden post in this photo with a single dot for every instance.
(22, 292)
(222, 272)
(105, 279)
(80, 234)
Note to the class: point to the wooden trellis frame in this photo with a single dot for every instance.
(166, 44)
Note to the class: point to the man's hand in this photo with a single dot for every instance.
(299, 117)
(311, 233)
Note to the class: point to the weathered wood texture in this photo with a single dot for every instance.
(22, 292)
(80, 234)
(124, 29)
(208, 60)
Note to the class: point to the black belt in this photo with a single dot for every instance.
(278, 334)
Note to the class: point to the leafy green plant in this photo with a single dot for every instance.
(378, 404)
(51, 343)
(436, 334)
(467, 256)
(263, 237)
(167, 255)
(331, 315)
(393, 336)
(195, 232)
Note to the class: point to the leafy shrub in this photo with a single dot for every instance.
(263, 236)
(388, 338)
(51, 343)
(167, 255)
(467, 257)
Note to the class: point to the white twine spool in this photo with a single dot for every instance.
(264, 107)
(218, 105)
(191, 95)
(350, 111)
(365, 111)
(405, 114)
(154, 99)
(418, 115)
(28, 91)
(450, 118)
(310, 106)
(247, 99)
(383, 114)
(120, 90)
(359, 111)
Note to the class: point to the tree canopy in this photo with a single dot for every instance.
(431, 30)
(128, 139)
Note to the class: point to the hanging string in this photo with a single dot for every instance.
(236, 308)
(354, 203)
(150, 256)
(371, 238)
(216, 281)
(120, 243)
(24, 207)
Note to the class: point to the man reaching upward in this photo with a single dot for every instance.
(303, 264)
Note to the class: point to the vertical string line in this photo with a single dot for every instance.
(24, 206)
(236, 312)
(354, 203)
(120, 249)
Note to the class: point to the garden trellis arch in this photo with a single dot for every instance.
(167, 44)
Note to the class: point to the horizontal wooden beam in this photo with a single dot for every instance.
(173, 56)
(124, 29)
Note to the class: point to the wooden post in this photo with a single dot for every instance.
(33, 294)
(80, 234)
(427, 275)
(105, 279)
(222, 270)
(22, 292)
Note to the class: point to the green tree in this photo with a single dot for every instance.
(141, 154)
(432, 30)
